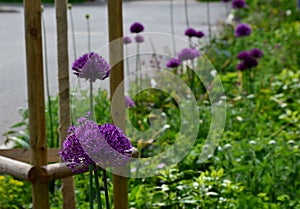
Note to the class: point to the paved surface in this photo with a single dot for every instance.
(153, 14)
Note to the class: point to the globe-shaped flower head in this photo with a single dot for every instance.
(136, 27)
(188, 54)
(238, 4)
(173, 62)
(199, 34)
(243, 55)
(127, 40)
(91, 66)
(91, 144)
(129, 102)
(139, 38)
(190, 32)
(242, 30)
(256, 53)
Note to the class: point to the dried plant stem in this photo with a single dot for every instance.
(172, 26)
(186, 13)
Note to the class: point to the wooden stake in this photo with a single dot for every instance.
(36, 103)
(64, 95)
(115, 22)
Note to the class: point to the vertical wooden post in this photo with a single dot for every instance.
(115, 22)
(64, 95)
(36, 103)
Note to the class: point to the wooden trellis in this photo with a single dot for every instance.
(15, 162)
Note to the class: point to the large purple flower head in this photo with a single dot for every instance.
(129, 102)
(190, 32)
(256, 53)
(91, 66)
(104, 145)
(242, 30)
(136, 27)
(127, 40)
(139, 38)
(120, 148)
(73, 154)
(238, 4)
(188, 54)
(173, 62)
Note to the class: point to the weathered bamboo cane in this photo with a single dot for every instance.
(64, 95)
(36, 103)
(115, 22)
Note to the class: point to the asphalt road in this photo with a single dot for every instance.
(153, 14)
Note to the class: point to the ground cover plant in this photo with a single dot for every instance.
(257, 162)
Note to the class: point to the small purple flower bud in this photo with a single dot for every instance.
(136, 27)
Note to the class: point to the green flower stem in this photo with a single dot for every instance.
(106, 189)
(91, 100)
(87, 16)
(137, 65)
(91, 191)
(172, 27)
(208, 20)
(49, 104)
(127, 61)
(186, 13)
(98, 192)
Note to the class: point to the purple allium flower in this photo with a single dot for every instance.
(242, 30)
(139, 39)
(243, 55)
(127, 40)
(136, 27)
(73, 154)
(250, 62)
(129, 102)
(173, 62)
(90, 144)
(120, 148)
(188, 54)
(199, 34)
(91, 66)
(256, 53)
(238, 4)
(241, 66)
(190, 32)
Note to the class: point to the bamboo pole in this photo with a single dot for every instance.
(36, 103)
(15, 168)
(64, 96)
(115, 22)
(24, 155)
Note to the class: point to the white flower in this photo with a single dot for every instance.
(252, 142)
(272, 142)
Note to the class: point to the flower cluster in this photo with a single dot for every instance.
(137, 28)
(238, 4)
(188, 54)
(91, 66)
(242, 30)
(88, 143)
(249, 59)
(191, 32)
(127, 40)
(183, 55)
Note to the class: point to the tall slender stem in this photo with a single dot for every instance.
(73, 31)
(98, 194)
(172, 26)
(106, 189)
(91, 191)
(127, 61)
(186, 13)
(49, 104)
(208, 20)
(91, 101)
(88, 31)
(137, 65)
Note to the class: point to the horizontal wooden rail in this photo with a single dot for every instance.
(15, 168)
(23, 155)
